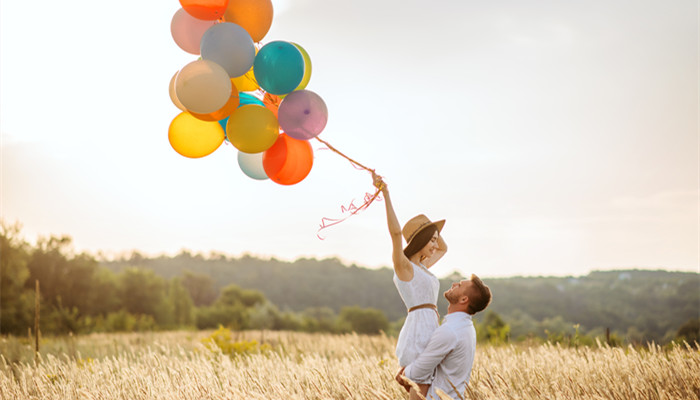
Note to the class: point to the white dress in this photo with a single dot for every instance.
(421, 323)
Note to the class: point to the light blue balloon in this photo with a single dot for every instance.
(223, 122)
(279, 67)
(230, 46)
(245, 99)
(252, 165)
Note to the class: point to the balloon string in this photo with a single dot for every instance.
(352, 209)
(343, 155)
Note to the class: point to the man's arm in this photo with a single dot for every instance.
(441, 343)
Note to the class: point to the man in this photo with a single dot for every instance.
(451, 349)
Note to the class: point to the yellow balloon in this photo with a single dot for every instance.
(194, 138)
(246, 82)
(252, 128)
(307, 68)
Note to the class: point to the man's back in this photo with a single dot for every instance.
(450, 353)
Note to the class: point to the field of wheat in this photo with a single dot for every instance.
(284, 365)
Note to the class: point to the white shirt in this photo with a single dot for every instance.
(450, 354)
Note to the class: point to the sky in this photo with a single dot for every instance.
(555, 137)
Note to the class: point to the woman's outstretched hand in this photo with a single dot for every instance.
(378, 181)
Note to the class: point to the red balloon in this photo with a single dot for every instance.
(205, 9)
(289, 160)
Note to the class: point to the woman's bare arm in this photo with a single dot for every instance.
(442, 249)
(402, 266)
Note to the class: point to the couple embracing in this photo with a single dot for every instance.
(432, 355)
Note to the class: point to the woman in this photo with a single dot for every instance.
(417, 286)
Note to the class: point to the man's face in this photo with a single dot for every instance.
(458, 291)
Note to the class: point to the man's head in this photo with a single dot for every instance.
(468, 295)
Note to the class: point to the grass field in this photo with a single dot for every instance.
(179, 365)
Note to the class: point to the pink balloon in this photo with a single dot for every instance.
(303, 114)
(187, 30)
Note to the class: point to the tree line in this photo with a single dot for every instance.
(78, 295)
(633, 306)
(81, 293)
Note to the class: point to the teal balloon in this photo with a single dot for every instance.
(279, 67)
(245, 99)
(223, 123)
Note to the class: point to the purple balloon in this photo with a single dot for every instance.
(302, 114)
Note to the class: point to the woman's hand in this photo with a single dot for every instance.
(401, 379)
(378, 181)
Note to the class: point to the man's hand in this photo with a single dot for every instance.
(401, 379)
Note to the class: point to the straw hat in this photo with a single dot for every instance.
(417, 224)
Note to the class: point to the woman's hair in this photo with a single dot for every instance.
(420, 240)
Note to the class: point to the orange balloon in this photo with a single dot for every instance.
(272, 102)
(205, 9)
(230, 106)
(289, 160)
(255, 16)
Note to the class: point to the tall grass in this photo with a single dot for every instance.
(178, 365)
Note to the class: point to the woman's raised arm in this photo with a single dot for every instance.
(402, 266)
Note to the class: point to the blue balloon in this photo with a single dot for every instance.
(245, 99)
(223, 122)
(279, 67)
(230, 46)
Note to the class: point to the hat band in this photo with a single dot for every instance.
(417, 230)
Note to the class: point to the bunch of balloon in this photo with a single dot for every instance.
(239, 90)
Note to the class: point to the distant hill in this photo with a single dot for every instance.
(650, 304)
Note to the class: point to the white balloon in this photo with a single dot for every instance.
(230, 46)
(203, 86)
(252, 165)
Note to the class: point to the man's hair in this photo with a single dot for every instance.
(480, 297)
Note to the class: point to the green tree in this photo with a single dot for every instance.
(493, 329)
(690, 331)
(232, 295)
(233, 309)
(16, 302)
(364, 320)
(318, 319)
(263, 316)
(106, 300)
(141, 292)
(181, 304)
(66, 279)
(200, 287)
(234, 317)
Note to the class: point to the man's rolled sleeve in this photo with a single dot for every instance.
(441, 343)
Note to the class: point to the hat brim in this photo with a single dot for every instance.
(439, 224)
